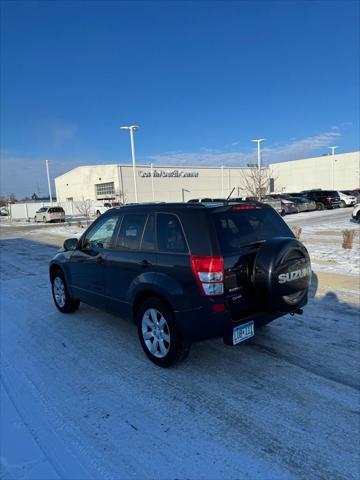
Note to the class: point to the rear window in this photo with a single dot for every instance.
(238, 228)
(56, 209)
(330, 193)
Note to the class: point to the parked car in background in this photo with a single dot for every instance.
(50, 214)
(4, 212)
(185, 272)
(288, 206)
(200, 200)
(356, 212)
(275, 203)
(324, 199)
(303, 204)
(347, 198)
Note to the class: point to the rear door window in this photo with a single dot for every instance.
(237, 228)
(170, 235)
(131, 230)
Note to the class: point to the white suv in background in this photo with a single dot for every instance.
(102, 206)
(356, 212)
(347, 198)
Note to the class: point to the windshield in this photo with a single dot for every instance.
(238, 228)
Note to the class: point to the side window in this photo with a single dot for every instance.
(100, 236)
(169, 234)
(131, 230)
(148, 240)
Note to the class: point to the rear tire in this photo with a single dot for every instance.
(320, 206)
(44, 219)
(61, 296)
(159, 334)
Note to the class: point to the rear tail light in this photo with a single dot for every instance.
(244, 207)
(328, 199)
(209, 274)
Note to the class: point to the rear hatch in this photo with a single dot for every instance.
(241, 231)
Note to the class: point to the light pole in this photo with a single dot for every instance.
(132, 129)
(48, 179)
(222, 181)
(183, 190)
(333, 164)
(258, 141)
(333, 150)
(152, 181)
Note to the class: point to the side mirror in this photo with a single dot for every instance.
(71, 244)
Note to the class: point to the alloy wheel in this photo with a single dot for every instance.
(156, 333)
(59, 292)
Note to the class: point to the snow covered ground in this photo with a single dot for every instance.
(322, 235)
(79, 399)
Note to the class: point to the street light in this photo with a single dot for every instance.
(48, 179)
(333, 162)
(258, 141)
(132, 129)
(333, 150)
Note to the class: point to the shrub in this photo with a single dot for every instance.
(348, 238)
(296, 231)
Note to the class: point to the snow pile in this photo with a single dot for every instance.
(71, 231)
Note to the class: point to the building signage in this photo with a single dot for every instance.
(167, 174)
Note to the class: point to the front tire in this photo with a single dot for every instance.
(342, 204)
(61, 296)
(159, 335)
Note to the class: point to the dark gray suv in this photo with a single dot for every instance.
(185, 272)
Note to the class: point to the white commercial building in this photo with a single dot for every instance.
(170, 184)
(116, 182)
(329, 172)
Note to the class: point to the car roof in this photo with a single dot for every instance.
(184, 206)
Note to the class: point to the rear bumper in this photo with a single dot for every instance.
(203, 324)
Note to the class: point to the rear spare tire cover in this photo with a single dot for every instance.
(282, 274)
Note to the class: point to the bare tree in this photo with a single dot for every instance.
(84, 208)
(121, 197)
(5, 200)
(256, 181)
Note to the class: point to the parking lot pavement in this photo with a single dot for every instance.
(282, 405)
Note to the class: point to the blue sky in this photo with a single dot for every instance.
(200, 78)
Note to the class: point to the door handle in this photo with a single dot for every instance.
(145, 263)
(100, 259)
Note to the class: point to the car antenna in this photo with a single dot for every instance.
(230, 194)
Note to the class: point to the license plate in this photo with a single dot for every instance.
(243, 332)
